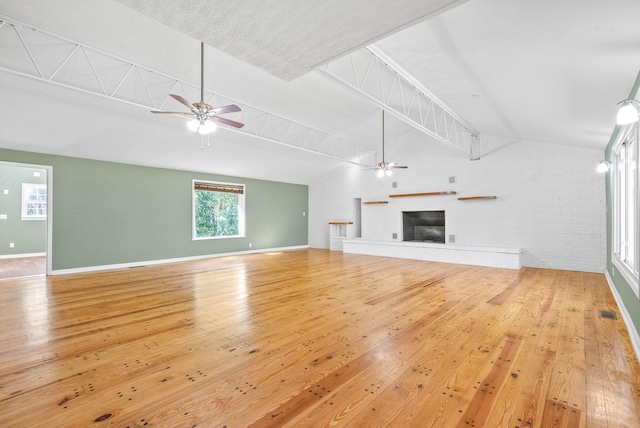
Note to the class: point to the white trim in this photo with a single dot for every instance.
(241, 211)
(175, 260)
(627, 274)
(633, 333)
(19, 256)
(628, 133)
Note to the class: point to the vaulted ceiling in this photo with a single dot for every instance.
(514, 71)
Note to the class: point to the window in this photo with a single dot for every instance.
(34, 201)
(625, 204)
(218, 210)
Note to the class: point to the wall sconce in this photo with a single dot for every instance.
(603, 166)
(627, 112)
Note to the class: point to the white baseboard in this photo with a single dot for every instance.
(633, 333)
(164, 261)
(19, 256)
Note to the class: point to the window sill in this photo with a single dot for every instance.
(627, 275)
(205, 238)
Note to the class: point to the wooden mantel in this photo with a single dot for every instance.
(476, 198)
(407, 195)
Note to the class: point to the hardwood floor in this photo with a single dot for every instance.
(315, 338)
(23, 266)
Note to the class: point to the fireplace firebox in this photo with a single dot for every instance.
(423, 226)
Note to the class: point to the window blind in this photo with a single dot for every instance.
(218, 187)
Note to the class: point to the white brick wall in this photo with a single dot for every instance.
(551, 202)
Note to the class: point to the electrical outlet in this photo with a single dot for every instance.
(394, 184)
(452, 179)
(3, 216)
(452, 239)
(11, 244)
(36, 173)
(250, 245)
(6, 191)
(395, 236)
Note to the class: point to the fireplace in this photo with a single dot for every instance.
(423, 226)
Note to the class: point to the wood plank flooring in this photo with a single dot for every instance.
(311, 339)
(23, 266)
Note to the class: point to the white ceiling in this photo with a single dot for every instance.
(543, 71)
(288, 38)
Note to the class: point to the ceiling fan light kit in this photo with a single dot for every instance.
(204, 115)
(202, 127)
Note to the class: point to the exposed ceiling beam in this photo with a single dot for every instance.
(369, 73)
(43, 56)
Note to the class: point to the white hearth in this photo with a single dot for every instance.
(507, 258)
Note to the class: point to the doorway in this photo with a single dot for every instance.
(25, 219)
(357, 217)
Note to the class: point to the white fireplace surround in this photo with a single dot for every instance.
(507, 258)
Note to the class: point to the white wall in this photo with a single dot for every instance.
(550, 201)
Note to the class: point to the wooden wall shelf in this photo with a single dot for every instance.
(340, 222)
(406, 195)
(476, 198)
(375, 202)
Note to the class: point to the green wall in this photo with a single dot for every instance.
(630, 301)
(28, 236)
(107, 213)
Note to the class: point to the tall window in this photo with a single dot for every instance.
(625, 204)
(218, 210)
(34, 201)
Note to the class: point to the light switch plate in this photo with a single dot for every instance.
(6, 191)
(3, 216)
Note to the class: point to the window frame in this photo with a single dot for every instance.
(26, 187)
(241, 208)
(627, 265)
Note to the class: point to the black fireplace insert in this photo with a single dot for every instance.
(423, 226)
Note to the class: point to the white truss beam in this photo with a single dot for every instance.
(369, 73)
(34, 53)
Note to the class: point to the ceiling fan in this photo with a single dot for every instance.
(384, 168)
(203, 114)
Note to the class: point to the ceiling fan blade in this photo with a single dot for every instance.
(185, 102)
(231, 108)
(399, 166)
(171, 112)
(227, 121)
